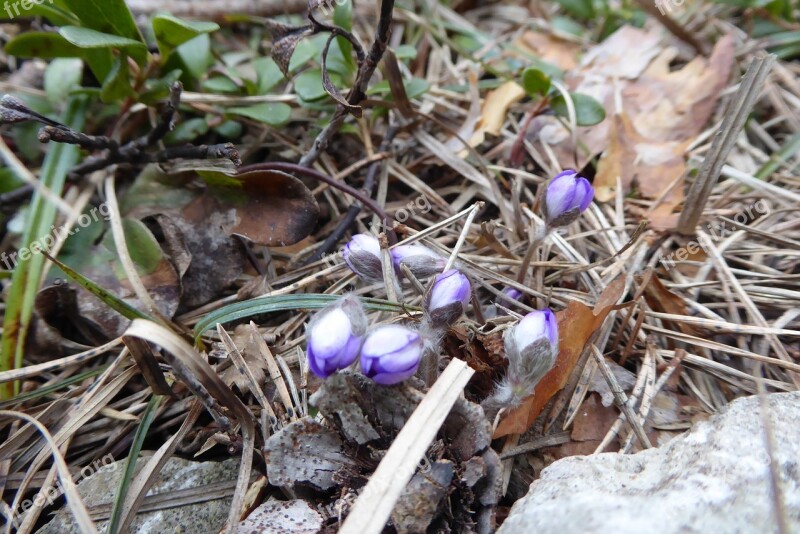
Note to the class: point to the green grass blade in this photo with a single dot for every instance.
(113, 302)
(27, 276)
(148, 416)
(277, 303)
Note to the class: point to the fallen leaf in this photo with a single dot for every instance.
(576, 324)
(495, 109)
(554, 50)
(662, 300)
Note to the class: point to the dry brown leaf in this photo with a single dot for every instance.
(576, 325)
(662, 300)
(547, 47)
(495, 109)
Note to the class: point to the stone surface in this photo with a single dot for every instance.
(715, 479)
(206, 517)
(282, 517)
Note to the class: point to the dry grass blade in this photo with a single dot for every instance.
(210, 380)
(372, 509)
(74, 501)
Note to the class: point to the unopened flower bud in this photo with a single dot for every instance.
(566, 197)
(420, 260)
(447, 298)
(512, 294)
(531, 348)
(363, 255)
(334, 336)
(391, 354)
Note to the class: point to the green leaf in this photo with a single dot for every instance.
(274, 114)
(56, 15)
(268, 74)
(195, 55)
(171, 32)
(220, 84)
(113, 302)
(44, 45)
(582, 9)
(406, 52)
(61, 77)
(278, 303)
(414, 87)
(88, 38)
(117, 84)
(27, 277)
(147, 418)
(187, 131)
(535, 82)
(308, 85)
(142, 245)
(106, 16)
(588, 111)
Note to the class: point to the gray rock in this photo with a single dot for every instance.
(713, 479)
(178, 476)
(282, 517)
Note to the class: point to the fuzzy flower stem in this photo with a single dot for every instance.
(539, 235)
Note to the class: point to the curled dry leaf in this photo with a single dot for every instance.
(279, 209)
(576, 324)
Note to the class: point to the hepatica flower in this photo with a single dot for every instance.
(363, 255)
(447, 298)
(420, 260)
(335, 335)
(531, 347)
(566, 197)
(391, 354)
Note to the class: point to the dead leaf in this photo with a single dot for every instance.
(279, 209)
(495, 109)
(662, 300)
(576, 324)
(554, 50)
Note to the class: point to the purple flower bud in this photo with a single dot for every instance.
(531, 348)
(421, 261)
(567, 196)
(363, 255)
(447, 298)
(334, 336)
(391, 354)
(512, 294)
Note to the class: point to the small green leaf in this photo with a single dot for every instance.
(588, 111)
(220, 84)
(171, 32)
(106, 16)
(405, 52)
(274, 114)
(44, 45)
(117, 84)
(268, 74)
(187, 131)
(55, 15)
(88, 38)
(308, 85)
(142, 245)
(581, 9)
(535, 82)
(196, 55)
(414, 87)
(61, 77)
